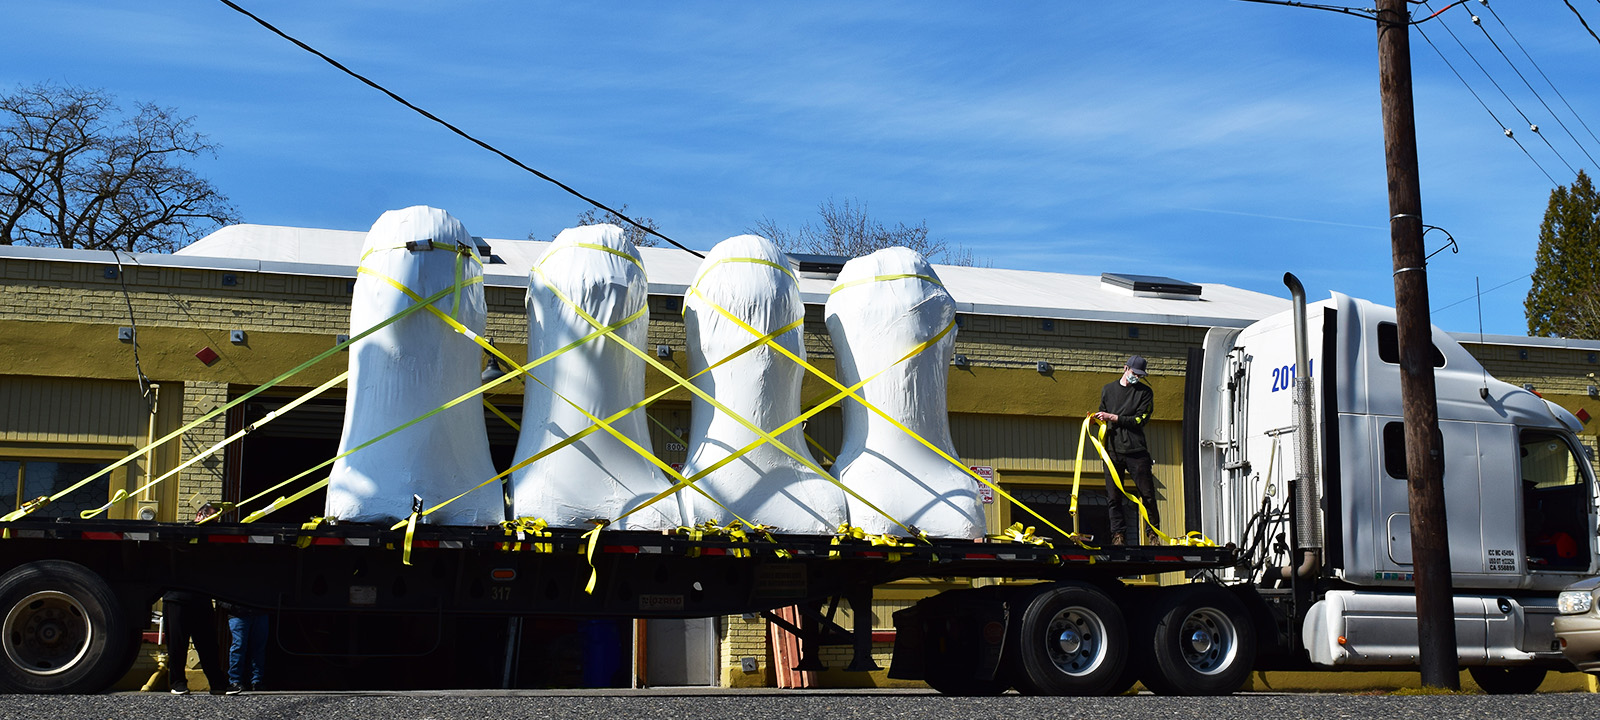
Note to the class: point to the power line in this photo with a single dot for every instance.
(1581, 20)
(1475, 96)
(1481, 294)
(1367, 13)
(1490, 38)
(1541, 71)
(1531, 125)
(453, 128)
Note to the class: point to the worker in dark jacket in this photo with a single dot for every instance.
(1125, 407)
(189, 616)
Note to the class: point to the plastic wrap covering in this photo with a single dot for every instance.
(595, 269)
(884, 306)
(749, 278)
(410, 368)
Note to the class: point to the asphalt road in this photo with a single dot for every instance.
(760, 705)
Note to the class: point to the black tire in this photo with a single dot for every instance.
(1203, 643)
(1507, 680)
(1071, 640)
(63, 630)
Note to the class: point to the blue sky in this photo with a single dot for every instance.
(1207, 140)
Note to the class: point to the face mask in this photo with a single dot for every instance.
(1133, 379)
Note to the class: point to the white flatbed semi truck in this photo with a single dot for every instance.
(1313, 571)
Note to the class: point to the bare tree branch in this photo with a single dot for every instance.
(633, 233)
(74, 175)
(846, 228)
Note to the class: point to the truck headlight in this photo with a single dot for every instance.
(1574, 602)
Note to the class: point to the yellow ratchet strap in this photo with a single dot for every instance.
(208, 452)
(850, 532)
(31, 507)
(597, 423)
(304, 541)
(771, 438)
(880, 413)
(1098, 439)
(120, 495)
(522, 528)
(523, 369)
(500, 414)
(593, 536)
(785, 269)
(1019, 534)
(883, 278)
(680, 381)
(411, 530)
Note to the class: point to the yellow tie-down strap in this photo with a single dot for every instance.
(516, 370)
(41, 502)
(851, 393)
(847, 531)
(598, 423)
(524, 528)
(1195, 539)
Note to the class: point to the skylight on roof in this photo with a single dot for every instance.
(1156, 286)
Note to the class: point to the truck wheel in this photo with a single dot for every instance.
(63, 630)
(1507, 680)
(1203, 643)
(1071, 641)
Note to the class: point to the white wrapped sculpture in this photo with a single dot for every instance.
(749, 278)
(599, 271)
(409, 368)
(884, 306)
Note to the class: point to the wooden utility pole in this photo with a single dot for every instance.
(1430, 545)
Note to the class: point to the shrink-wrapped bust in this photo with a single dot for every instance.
(409, 368)
(595, 269)
(747, 280)
(882, 307)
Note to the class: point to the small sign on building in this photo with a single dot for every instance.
(985, 491)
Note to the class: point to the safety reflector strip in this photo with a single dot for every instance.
(94, 535)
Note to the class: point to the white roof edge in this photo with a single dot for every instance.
(286, 242)
(1526, 341)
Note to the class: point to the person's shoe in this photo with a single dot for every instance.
(180, 690)
(1118, 539)
(234, 689)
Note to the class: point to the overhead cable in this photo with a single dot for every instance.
(1490, 38)
(1479, 295)
(1475, 96)
(1367, 13)
(1581, 20)
(1534, 127)
(453, 128)
(1535, 64)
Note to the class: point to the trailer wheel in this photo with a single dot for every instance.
(1203, 643)
(1507, 680)
(1071, 641)
(63, 630)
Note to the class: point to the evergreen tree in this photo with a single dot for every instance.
(1565, 297)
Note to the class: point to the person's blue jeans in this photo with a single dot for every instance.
(248, 645)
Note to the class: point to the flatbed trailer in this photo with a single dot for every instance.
(75, 594)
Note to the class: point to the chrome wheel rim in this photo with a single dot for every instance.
(1075, 641)
(46, 633)
(1208, 641)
